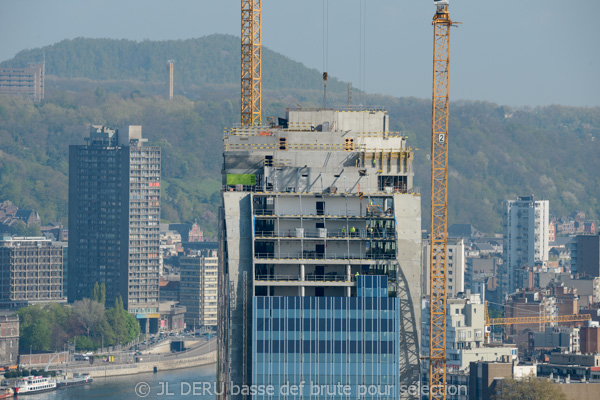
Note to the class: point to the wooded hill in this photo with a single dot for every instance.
(496, 152)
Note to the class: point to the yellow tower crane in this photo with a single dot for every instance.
(531, 320)
(251, 63)
(439, 199)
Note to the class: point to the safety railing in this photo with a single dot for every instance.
(313, 255)
(329, 277)
(339, 234)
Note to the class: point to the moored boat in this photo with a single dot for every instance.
(76, 380)
(34, 384)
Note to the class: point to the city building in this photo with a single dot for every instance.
(485, 376)
(169, 289)
(552, 230)
(114, 213)
(312, 203)
(565, 339)
(172, 316)
(198, 287)
(529, 303)
(31, 269)
(585, 255)
(328, 340)
(28, 81)
(11, 216)
(525, 222)
(589, 338)
(65, 264)
(189, 232)
(9, 337)
(465, 335)
(455, 266)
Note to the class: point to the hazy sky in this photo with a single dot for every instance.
(515, 52)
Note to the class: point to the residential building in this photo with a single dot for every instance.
(529, 303)
(455, 267)
(114, 213)
(567, 299)
(198, 287)
(9, 337)
(585, 255)
(169, 289)
(525, 222)
(590, 338)
(172, 316)
(566, 339)
(485, 376)
(28, 81)
(320, 229)
(32, 271)
(465, 334)
(65, 264)
(10, 215)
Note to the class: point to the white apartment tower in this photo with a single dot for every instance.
(525, 222)
(455, 282)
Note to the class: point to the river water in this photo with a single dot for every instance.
(189, 383)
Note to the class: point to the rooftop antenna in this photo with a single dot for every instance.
(325, 50)
(170, 64)
(325, 76)
(349, 94)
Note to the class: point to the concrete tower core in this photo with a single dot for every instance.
(320, 254)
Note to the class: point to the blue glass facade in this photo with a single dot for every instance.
(327, 347)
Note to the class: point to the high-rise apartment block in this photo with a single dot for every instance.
(31, 269)
(455, 267)
(465, 334)
(28, 81)
(320, 254)
(114, 211)
(585, 255)
(198, 287)
(525, 222)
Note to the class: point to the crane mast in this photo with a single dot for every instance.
(251, 63)
(439, 199)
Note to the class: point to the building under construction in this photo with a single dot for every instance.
(320, 242)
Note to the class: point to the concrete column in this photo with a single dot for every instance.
(349, 279)
(302, 275)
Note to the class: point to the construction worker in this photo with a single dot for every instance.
(352, 231)
(343, 231)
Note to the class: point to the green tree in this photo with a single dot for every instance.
(530, 388)
(95, 293)
(90, 312)
(125, 325)
(102, 298)
(34, 329)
